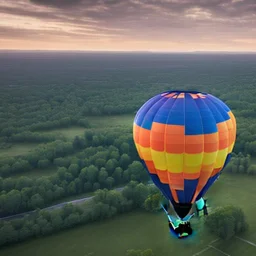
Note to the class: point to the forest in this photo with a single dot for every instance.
(103, 157)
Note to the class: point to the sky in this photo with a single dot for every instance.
(128, 25)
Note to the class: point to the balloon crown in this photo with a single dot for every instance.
(184, 91)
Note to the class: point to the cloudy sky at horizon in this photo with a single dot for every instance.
(128, 25)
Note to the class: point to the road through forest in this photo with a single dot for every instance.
(54, 207)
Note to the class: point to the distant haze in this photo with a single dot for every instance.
(128, 25)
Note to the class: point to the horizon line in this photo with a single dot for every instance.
(123, 51)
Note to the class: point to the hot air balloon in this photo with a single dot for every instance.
(184, 139)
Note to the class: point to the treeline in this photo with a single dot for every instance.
(34, 137)
(45, 154)
(246, 136)
(94, 168)
(104, 204)
(225, 222)
(63, 123)
(31, 133)
(241, 164)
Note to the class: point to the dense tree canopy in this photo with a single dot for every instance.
(36, 104)
(28, 109)
(227, 221)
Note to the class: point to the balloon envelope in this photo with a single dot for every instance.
(185, 139)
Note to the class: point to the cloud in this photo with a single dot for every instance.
(76, 3)
(135, 10)
(57, 3)
(178, 21)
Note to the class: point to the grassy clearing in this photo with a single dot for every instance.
(111, 121)
(97, 122)
(17, 149)
(113, 237)
(69, 132)
(36, 173)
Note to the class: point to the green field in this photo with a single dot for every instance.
(36, 173)
(17, 149)
(69, 132)
(111, 121)
(97, 122)
(140, 230)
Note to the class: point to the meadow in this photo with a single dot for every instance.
(36, 173)
(69, 133)
(17, 149)
(112, 121)
(115, 236)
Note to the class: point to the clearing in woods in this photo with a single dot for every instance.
(101, 122)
